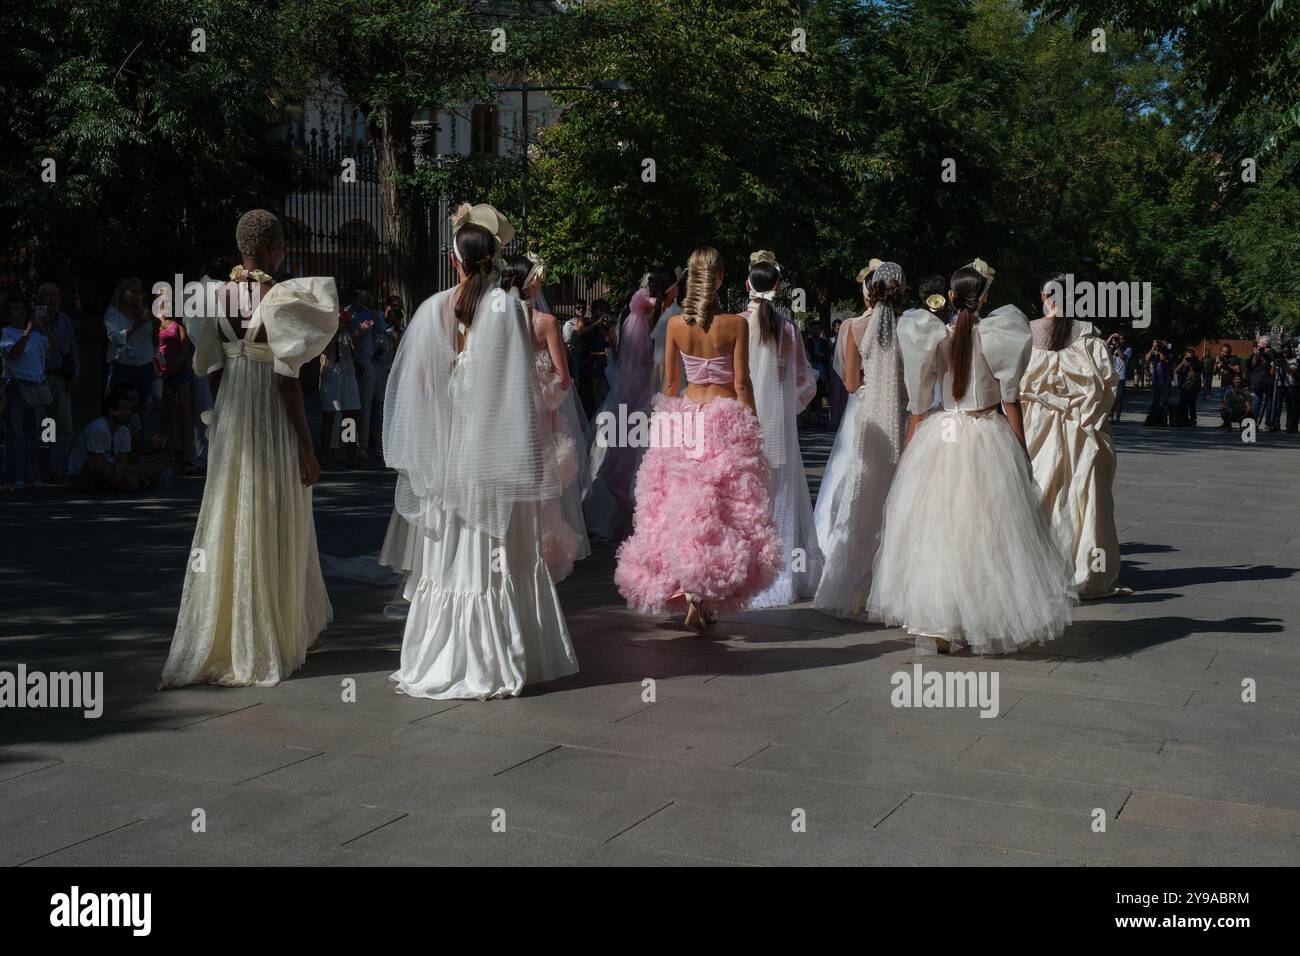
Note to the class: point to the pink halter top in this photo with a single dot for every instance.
(709, 371)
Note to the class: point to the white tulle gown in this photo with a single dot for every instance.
(860, 469)
(965, 554)
(784, 383)
(466, 433)
(254, 600)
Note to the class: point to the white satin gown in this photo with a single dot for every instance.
(1066, 398)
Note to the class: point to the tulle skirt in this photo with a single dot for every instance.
(851, 503)
(703, 520)
(965, 554)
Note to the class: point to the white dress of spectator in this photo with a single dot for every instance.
(99, 438)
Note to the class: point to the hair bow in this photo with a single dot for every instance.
(870, 267)
(538, 270)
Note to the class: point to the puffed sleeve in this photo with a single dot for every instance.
(204, 330)
(919, 336)
(300, 316)
(1007, 343)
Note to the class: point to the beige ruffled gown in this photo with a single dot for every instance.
(1066, 397)
(254, 600)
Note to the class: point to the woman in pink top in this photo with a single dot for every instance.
(703, 534)
(175, 365)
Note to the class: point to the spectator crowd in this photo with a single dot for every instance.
(155, 406)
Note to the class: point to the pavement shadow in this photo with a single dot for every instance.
(1143, 579)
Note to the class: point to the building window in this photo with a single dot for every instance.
(483, 129)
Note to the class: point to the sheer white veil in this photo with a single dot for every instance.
(467, 433)
(765, 371)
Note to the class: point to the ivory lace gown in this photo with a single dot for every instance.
(254, 600)
(1066, 397)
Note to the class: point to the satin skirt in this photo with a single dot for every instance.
(485, 619)
(1066, 404)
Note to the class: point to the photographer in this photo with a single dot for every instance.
(1263, 374)
(1159, 366)
(1188, 376)
(1227, 366)
(1235, 404)
(1121, 355)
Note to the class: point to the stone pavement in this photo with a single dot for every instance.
(1136, 712)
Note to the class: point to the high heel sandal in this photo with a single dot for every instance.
(695, 620)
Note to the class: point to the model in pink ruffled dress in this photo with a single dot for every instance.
(702, 532)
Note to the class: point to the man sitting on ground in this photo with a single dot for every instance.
(101, 458)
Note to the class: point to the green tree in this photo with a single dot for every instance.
(131, 139)
(396, 59)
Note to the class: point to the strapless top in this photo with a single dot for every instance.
(709, 371)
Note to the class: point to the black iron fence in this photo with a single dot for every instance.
(334, 224)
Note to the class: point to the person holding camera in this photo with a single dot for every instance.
(1263, 374)
(1188, 376)
(25, 344)
(1159, 372)
(1227, 366)
(1235, 404)
(1121, 356)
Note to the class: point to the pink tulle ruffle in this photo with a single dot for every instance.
(703, 520)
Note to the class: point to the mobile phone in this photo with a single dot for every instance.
(40, 314)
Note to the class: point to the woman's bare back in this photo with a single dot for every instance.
(726, 336)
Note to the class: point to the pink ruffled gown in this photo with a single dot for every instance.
(703, 521)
